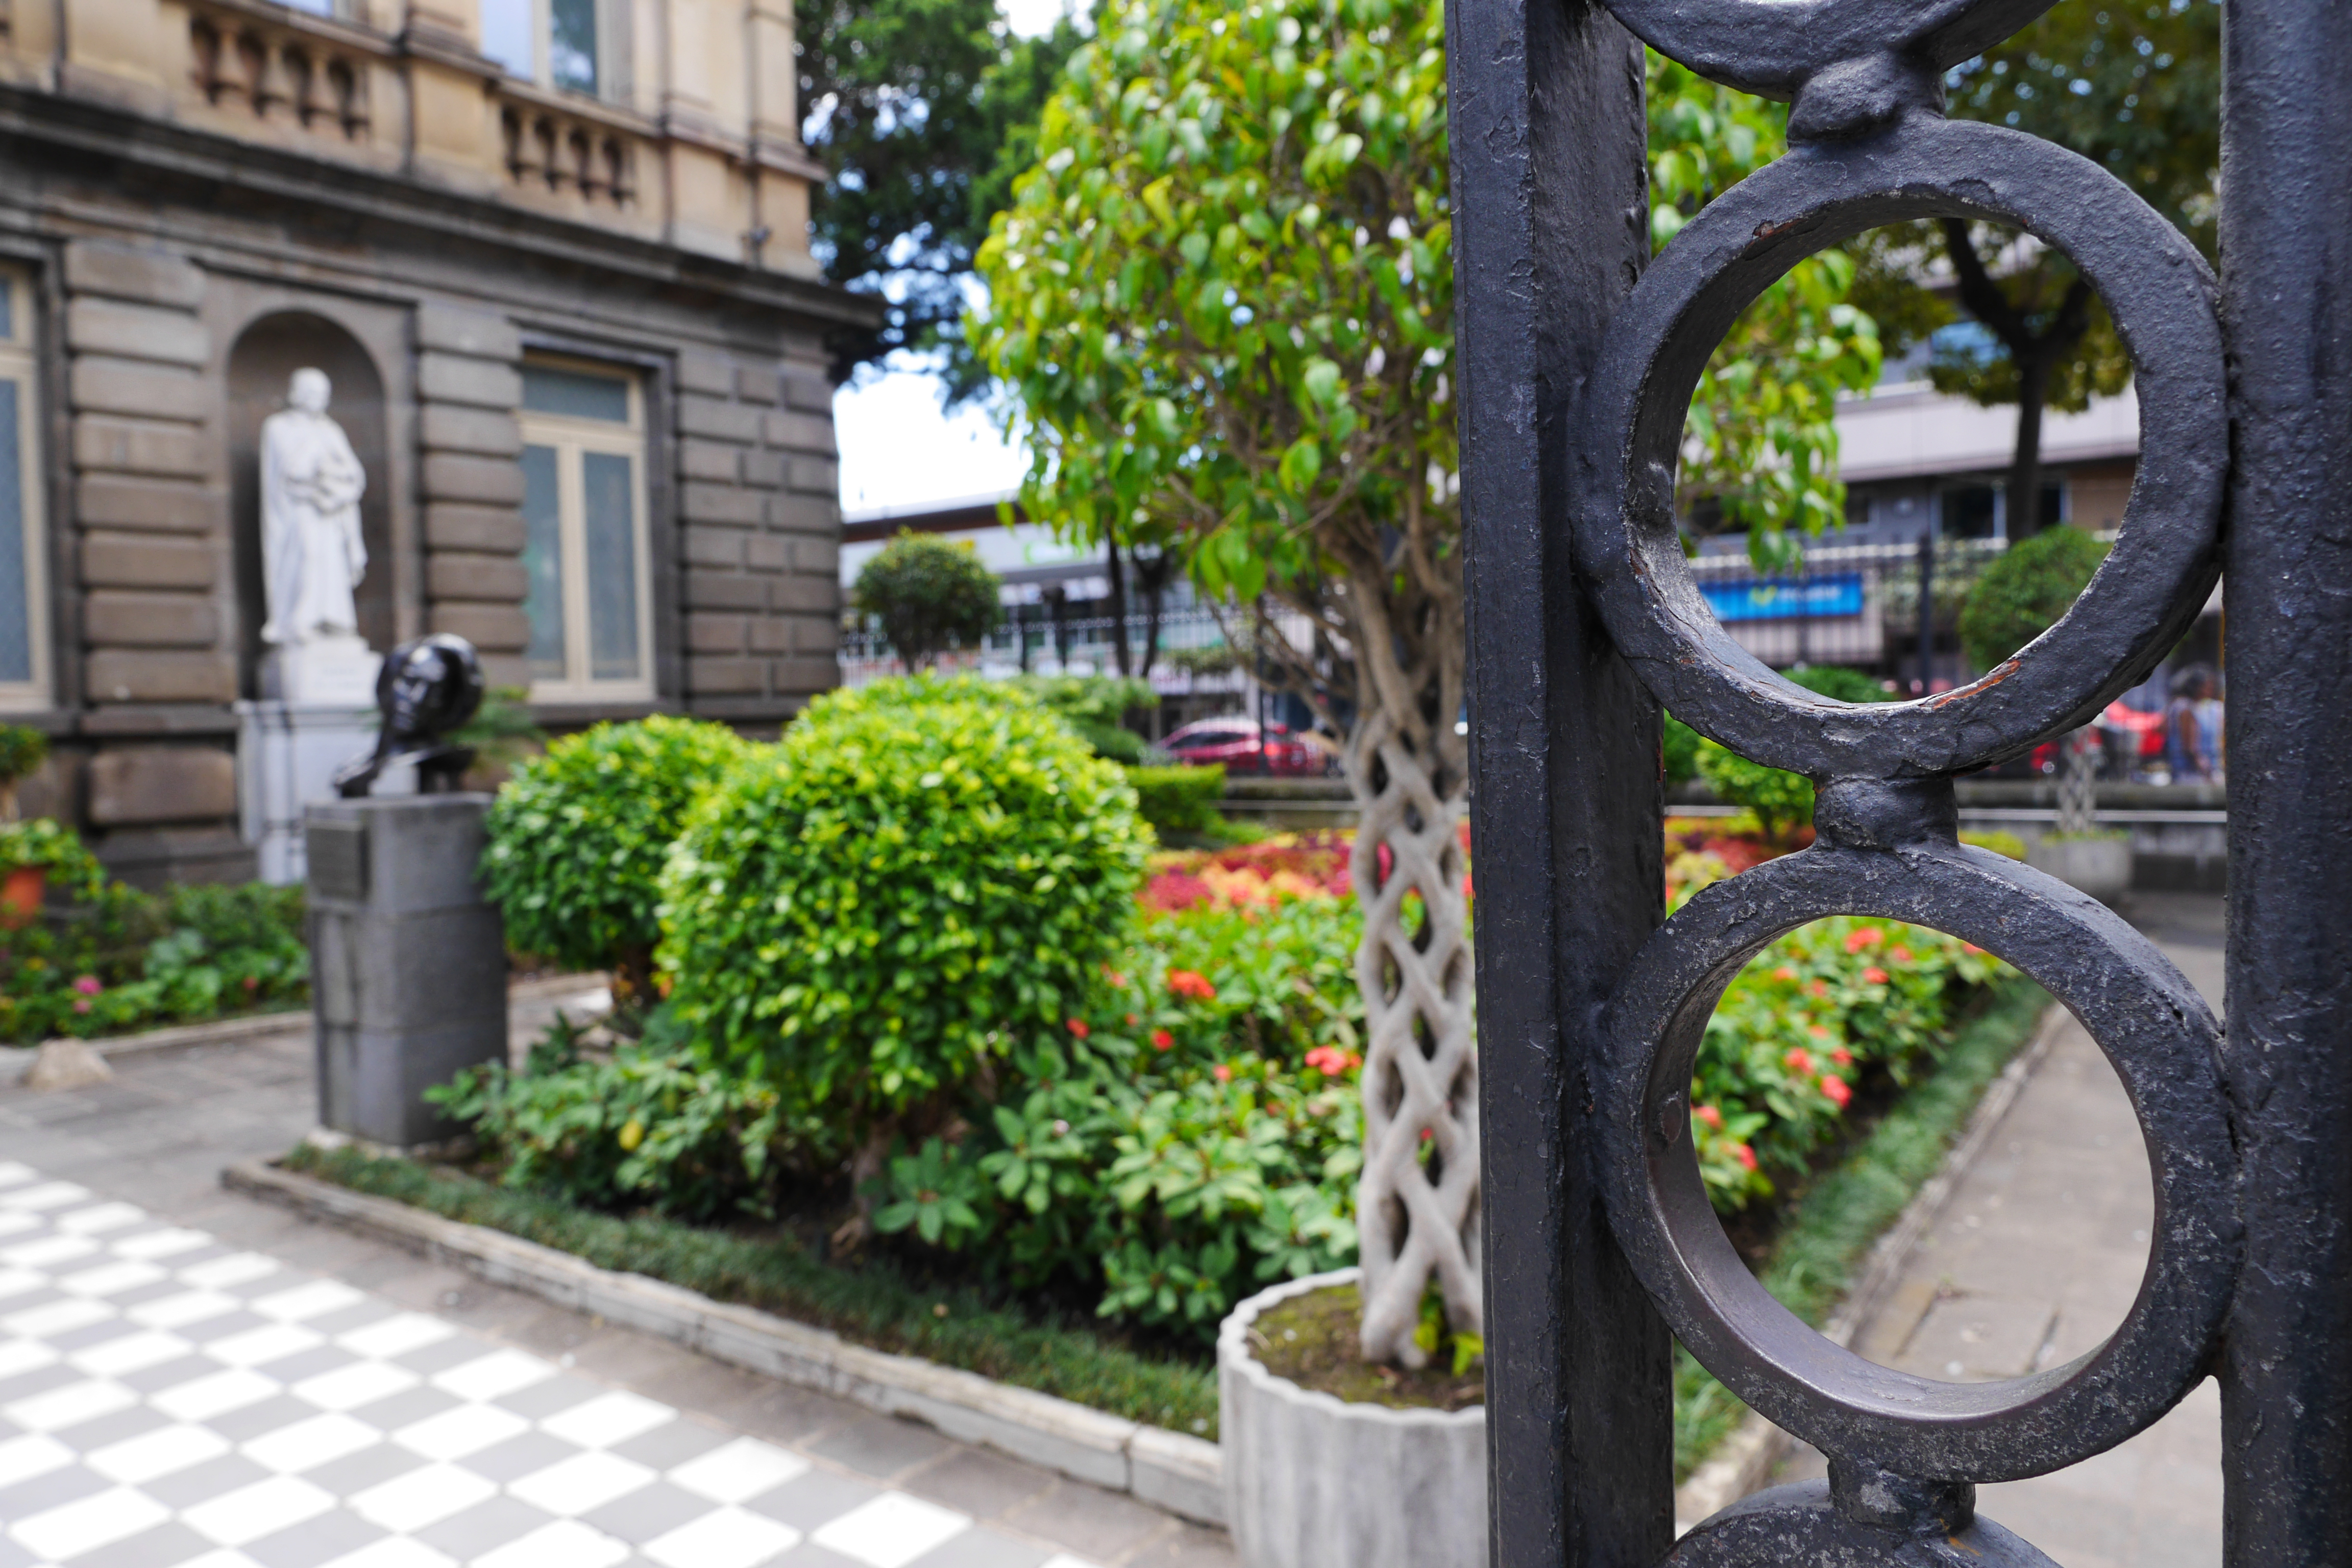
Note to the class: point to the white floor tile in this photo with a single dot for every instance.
(585, 1481)
(18, 1357)
(395, 1552)
(262, 1509)
(396, 1336)
(566, 1544)
(891, 1530)
(730, 1537)
(314, 1300)
(100, 1218)
(15, 1222)
(1064, 1560)
(408, 1503)
(69, 1406)
(17, 1281)
(22, 1458)
(12, 1173)
(47, 1251)
(739, 1471)
(53, 1318)
(157, 1453)
(257, 1347)
(309, 1444)
(178, 1311)
(454, 1433)
(223, 1273)
(129, 1352)
(488, 1377)
(608, 1419)
(220, 1557)
(48, 1196)
(215, 1394)
(348, 1387)
(88, 1523)
(112, 1279)
(167, 1243)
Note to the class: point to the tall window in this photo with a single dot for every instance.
(567, 44)
(584, 503)
(24, 661)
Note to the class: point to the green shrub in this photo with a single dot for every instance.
(1096, 706)
(930, 594)
(1679, 751)
(2022, 594)
(648, 1126)
(578, 836)
(1179, 799)
(912, 883)
(2008, 844)
(1781, 800)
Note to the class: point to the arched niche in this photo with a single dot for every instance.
(266, 354)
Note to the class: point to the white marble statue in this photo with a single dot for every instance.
(311, 553)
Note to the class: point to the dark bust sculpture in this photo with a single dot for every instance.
(428, 688)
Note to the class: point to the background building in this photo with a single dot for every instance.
(553, 254)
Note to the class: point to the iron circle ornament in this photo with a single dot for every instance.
(1772, 48)
(2153, 1026)
(2143, 597)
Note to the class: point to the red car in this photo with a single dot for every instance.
(1244, 746)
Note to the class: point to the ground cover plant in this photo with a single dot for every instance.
(104, 958)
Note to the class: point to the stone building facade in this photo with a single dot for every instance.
(552, 254)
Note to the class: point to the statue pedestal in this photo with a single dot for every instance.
(326, 672)
(286, 755)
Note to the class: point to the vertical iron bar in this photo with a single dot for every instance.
(2286, 249)
(1927, 612)
(1550, 231)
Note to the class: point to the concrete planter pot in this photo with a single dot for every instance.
(1312, 1482)
(2100, 866)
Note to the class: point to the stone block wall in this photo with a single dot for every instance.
(150, 527)
(468, 387)
(758, 534)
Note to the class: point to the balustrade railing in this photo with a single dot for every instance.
(279, 71)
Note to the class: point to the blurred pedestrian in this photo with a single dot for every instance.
(2188, 756)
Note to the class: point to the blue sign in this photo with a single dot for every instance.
(1785, 598)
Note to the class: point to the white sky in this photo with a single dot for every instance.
(898, 450)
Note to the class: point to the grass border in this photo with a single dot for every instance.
(1844, 1211)
(957, 1329)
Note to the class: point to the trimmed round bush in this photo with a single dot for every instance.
(578, 838)
(917, 879)
(930, 594)
(2022, 595)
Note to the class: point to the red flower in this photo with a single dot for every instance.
(1191, 983)
(1784, 973)
(1465, 886)
(1078, 1027)
(1132, 1020)
(1876, 975)
(1819, 988)
(1972, 947)
(1427, 1133)
(1161, 1039)
(1744, 1155)
(1841, 1056)
(1710, 1115)
(1820, 1031)
(1331, 1061)
(1224, 1074)
(1837, 1091)
(81, 1004)
(1118, 980)
(1798, 1060)
(1868, 936)
(1899, 954)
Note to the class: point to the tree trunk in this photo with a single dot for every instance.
(1118, 610)
(2025, 464)
(1416, 1209)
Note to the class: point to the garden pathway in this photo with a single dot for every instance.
(190, 1377)
(2035, 1259)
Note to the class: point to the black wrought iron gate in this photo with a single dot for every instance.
(1578, 356)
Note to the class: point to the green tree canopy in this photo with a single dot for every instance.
(922, 111)
(930, 594)
(2136, 87)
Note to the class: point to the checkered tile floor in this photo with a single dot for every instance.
(167, 1401)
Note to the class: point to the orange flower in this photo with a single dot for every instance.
(1899, 954)
(1224, 1073)
(1819, 988)
(1876, 975)
(1868, 936)
(1191, 983)
(1820, 1031)
(1784, 973)
(1132, 1020)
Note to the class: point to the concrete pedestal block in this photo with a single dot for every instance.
(1312, 1482)
(286, 755)
(2099, 865)
(409, 962)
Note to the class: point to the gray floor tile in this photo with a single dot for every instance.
(881, 1446)
(983, 1549)
(168, 1544)
(314, 1542)
(518, 1456)
(202, 1483)
(982, 1484)
(354, 1473)
(672, 1443)
(482, 1527)
(649, 1513)
(813, 1499)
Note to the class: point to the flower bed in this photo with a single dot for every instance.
(103, 957)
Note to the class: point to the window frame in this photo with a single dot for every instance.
(572, 438)
(612, 37)
(20, 359)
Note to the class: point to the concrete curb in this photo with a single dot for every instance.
(1167, 1470)
(219, 1032)
(1744, 1462)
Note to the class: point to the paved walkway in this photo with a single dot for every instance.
(2036, 1260)
(189, 1377)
